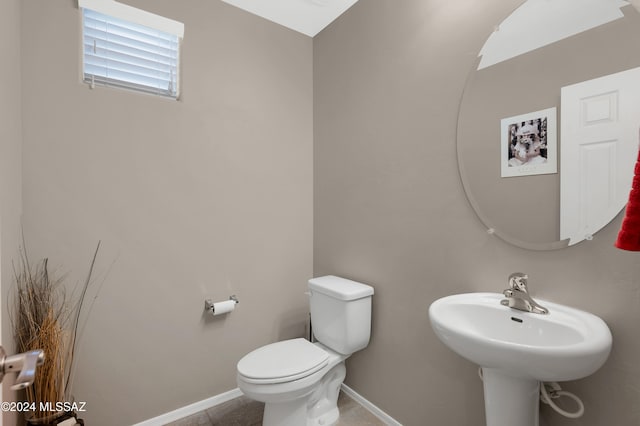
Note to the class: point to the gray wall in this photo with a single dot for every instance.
(390, 211)
(202, 198)
(10, 164)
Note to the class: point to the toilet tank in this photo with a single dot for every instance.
(340, 313)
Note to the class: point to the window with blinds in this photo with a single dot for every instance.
(126, 54)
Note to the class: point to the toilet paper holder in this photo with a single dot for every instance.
(209, 304)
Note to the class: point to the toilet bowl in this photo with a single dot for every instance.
(299, 381)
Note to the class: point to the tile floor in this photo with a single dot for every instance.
(245, 412)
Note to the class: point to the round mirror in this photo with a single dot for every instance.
(519, 151)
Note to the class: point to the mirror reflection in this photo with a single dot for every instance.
(518, 82)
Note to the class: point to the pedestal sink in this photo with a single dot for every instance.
(517, 350)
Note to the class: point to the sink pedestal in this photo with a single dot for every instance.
(510, 400)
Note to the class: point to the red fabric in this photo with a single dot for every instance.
(629, 235)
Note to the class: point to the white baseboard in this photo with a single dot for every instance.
(196, 407)
(190, 409)
(387, 419)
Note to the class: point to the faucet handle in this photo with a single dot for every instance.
(518, 281)
(24, 363)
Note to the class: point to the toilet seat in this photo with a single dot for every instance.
(281, 362)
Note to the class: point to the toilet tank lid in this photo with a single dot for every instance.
(340, 288)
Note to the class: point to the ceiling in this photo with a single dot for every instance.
(308, 17)
(546, 22)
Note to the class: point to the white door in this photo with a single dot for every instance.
(599, 127)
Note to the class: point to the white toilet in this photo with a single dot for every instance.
(299, 381)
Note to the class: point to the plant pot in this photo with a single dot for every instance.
(55, 419)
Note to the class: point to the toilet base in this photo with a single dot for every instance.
(327, 419)
(322, 407)
(317, 408)
(291, 413)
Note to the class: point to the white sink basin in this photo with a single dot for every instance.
(517, 350)
(565, 344)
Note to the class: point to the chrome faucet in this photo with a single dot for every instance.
(517, 295)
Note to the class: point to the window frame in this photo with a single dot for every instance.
(132, 21)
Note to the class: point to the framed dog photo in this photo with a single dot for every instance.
(529, 144)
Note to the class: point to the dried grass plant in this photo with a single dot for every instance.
(45, 317)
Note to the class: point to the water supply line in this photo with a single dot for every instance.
(554, 392)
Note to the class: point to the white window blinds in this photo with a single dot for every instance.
(126, 54)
